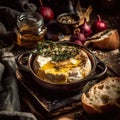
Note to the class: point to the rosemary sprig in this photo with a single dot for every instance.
(57, 51)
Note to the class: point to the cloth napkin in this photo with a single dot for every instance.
(9, 95)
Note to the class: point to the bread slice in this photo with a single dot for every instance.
(107, 39)
(102, 97)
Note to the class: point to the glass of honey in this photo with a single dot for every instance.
(30, 29)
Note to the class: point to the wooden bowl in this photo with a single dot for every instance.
(68, 22)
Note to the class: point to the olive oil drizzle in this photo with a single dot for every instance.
(58, 51)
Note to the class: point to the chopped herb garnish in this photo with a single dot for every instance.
(57, 51)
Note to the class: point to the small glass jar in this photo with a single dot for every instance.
(30, 29)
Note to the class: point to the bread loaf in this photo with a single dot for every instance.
(102, 97)
(107, 39)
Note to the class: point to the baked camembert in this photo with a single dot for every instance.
(60, 63)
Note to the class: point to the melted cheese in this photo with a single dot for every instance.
(53, 68)
(64, 72)
(43, 60)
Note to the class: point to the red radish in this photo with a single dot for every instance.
(46, 12)
(85, 29)
(99, 25)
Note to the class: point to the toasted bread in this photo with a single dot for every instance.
(107, 39)
(102, 97)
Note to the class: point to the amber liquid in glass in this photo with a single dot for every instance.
(30, 30)
(29, 39)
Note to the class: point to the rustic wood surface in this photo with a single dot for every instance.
(110, 58)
